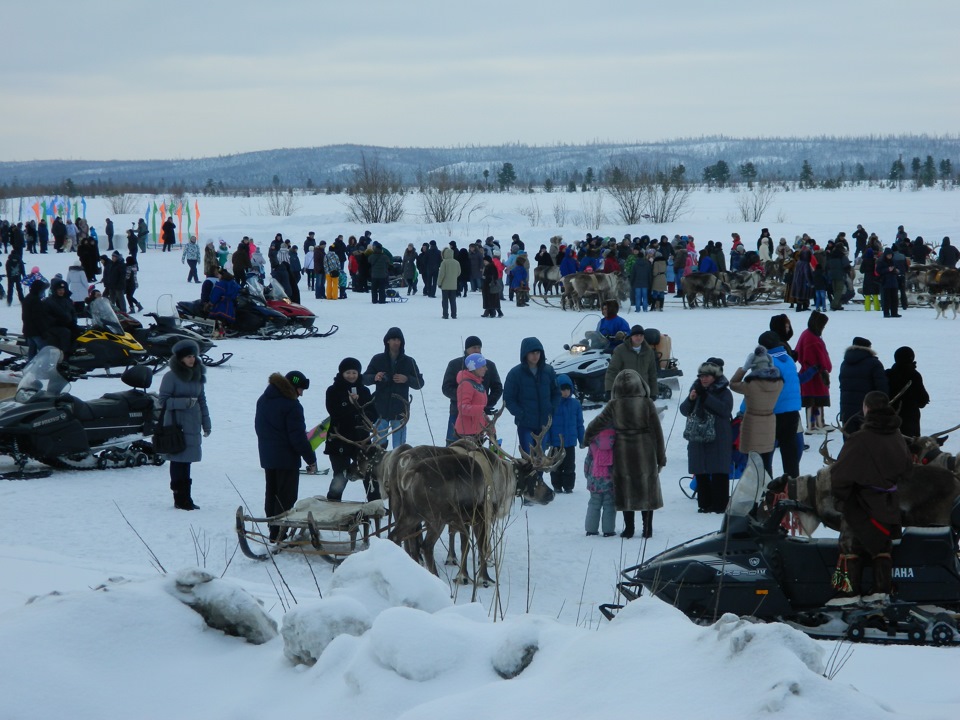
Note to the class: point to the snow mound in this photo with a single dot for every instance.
(308, 629)
(223, 605)
(384, 576)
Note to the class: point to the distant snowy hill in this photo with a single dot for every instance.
(830, 157)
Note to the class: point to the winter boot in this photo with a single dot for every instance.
(628, 526)
(846, 581)
(882, 580)
(647, 517)
(337, 485)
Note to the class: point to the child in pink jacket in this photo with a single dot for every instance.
(598, 469)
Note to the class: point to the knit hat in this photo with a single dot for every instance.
(349, 363)
(34, 270)
(761, 359)
(862, 342)
(636, 330)
(474, 361)
(708, 368)
(770, 340)
(298, 379)
(185, 348)
(472, 341)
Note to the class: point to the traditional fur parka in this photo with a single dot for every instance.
(639, 452)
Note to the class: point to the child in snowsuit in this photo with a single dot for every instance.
(566, 431)
(598, 469)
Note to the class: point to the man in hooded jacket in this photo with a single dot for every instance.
(530, 391)
(394, 373)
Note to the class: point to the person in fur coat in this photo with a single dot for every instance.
(185, 404)
(760, 389)
(709, 462)
(639, 453)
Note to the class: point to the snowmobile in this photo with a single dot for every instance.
(753, 568)
(166, 331)
(301, 319)
(100, 346)
(44, 422)
(588, 355)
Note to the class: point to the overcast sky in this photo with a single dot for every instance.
(126, 79)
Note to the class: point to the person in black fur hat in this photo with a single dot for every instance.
(860, 372)
(185, 404)
(282, 441)
(351, 410)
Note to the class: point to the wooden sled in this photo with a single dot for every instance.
(315, 526)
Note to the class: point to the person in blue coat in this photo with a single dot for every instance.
(568, 266)
(566, 432)
(223, 298)
(787, 410)
(530, 391)
(282, 441)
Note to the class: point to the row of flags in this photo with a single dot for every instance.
(67, 208)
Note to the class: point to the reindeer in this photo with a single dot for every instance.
(545, 279)
(926, 450)
(466, 487)
(580, 287)
(713, 289)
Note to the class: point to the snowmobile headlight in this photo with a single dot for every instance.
(577, 349)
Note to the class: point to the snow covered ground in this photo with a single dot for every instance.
(106, 639)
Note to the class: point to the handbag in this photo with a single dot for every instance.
(700, 429)
(496, 286)
(168, 439)
(334, 273)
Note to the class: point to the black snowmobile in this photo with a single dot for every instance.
(164, 332)
(44, 422)
(588, 355)
(752, 568)
(102, 345)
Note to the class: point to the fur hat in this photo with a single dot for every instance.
(474, 361)
(904, 356)
(472, 341)
(298, 379)
(862, 342)
(709, 368)
(817, 322)
(349, 363)
(185, 348)
(782, 326)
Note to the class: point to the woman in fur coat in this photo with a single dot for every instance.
(639, 453)
(760, 390)
(185, 404)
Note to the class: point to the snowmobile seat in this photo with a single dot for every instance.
(100, 409)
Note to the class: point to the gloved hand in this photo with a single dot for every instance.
(489, 410)
(206, 433)
(312, 469)
(748, 363)
(620, 335)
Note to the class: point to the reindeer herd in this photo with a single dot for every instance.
(467, 488)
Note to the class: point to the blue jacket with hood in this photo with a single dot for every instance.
(789, 399)
(531, 397)
(567, 418)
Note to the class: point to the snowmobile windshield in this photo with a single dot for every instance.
(277, 292)
(104, 317)
(41, 378)
(584, 337)
(750, 487)
(255, 289)
(166, 308)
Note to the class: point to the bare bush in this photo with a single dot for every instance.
(532, 212)
(447, 197)
(752, 204)
(279, 203)
(122, 204)
(375, 195)
(666, 202)
(560, 211)
(592, 214)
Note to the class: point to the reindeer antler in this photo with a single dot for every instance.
(827, 460)
(944, 432)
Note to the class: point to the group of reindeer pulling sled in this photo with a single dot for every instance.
(467, 487)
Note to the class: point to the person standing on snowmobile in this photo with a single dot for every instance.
(282, 441)
(184, 402)
(864, 480)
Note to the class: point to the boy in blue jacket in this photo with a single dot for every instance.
(566, 432)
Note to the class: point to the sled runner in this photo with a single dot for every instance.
(393, 296)
(315, 526)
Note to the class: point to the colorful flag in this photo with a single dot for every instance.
(43, 206)
(196, 213)
(180, 223)
(68, 209)
(154, 226)
(163, 210)
(186, 209)
(147, 213)
(36, 210)
(83, 201)
(318, 435)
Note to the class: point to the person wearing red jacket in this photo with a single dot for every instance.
(471, 397)
(815, 369)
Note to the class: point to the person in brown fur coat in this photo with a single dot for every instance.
(639, 452)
